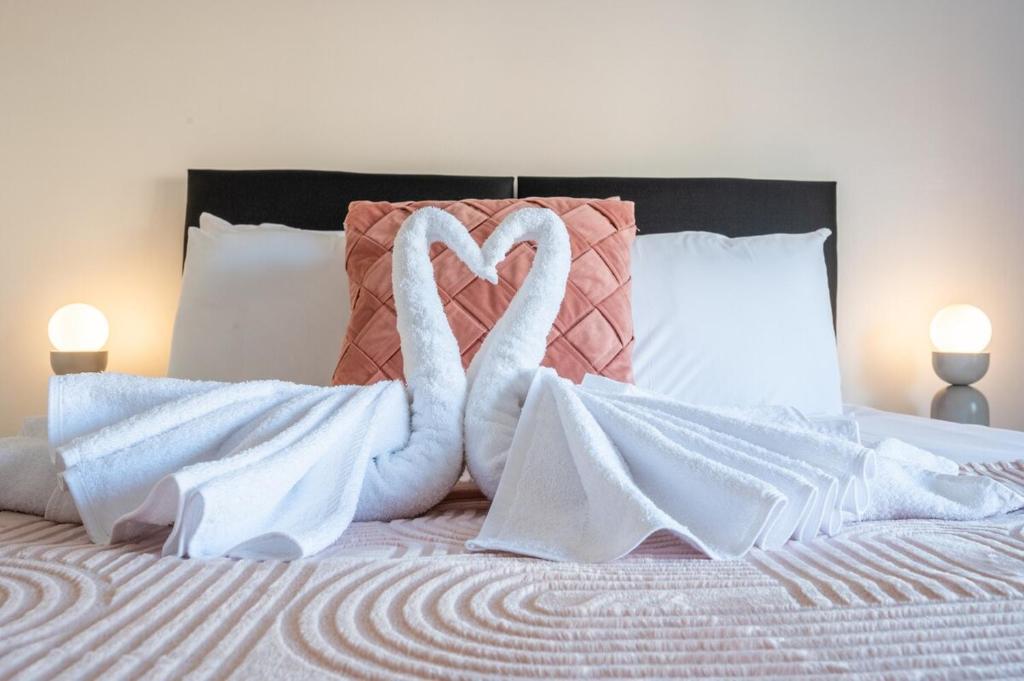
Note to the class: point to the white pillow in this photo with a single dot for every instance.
(208, 222)
(736, 322)
(266, 301)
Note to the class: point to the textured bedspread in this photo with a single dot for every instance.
(919, 599)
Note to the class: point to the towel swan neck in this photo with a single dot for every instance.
(407, 481)
(500, 373)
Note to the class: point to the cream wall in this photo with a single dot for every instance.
(916, 108)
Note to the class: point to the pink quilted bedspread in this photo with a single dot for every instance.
(913, 599)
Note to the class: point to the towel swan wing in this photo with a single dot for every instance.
(587, 472)
(272, 469)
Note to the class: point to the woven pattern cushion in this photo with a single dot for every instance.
(594, 329)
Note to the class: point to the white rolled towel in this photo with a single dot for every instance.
(27, 476)
(29, 482)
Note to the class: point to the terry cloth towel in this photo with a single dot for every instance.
(28, 480)
(587, 472)
(256, 469)
(592, 473)
(267, 469)
(27, 477)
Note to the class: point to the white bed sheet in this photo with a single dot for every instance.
(963, 443)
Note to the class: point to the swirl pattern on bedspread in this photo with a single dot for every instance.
(404, 600)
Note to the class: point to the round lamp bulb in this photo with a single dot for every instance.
(78, 328)
(961, 328)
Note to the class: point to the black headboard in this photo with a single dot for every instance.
(316, 199)
(727, 206)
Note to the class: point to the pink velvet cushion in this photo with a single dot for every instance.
(594, 329)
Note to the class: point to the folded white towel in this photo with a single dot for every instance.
(913, 483)
(270, 469)
(29, 483)
(590, 474)
(27, 477)
(259, 469)
(585, 473)
(891, 449)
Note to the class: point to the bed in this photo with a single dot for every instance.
(899, 599)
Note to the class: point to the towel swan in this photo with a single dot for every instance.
(269, 469)
(586, 472)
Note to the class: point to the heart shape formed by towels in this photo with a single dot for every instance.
(593, 331)
(524, 224)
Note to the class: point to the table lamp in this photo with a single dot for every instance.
(77, 333)
(960, 334)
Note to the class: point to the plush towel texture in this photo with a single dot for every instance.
(913, 483)
(29, 483)
(266, 468)
(502, 369)
(27, 476)
(900, 600)
(260, 469)
(586, 473)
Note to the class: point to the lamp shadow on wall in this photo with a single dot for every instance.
(144, 291)
(888, 370)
